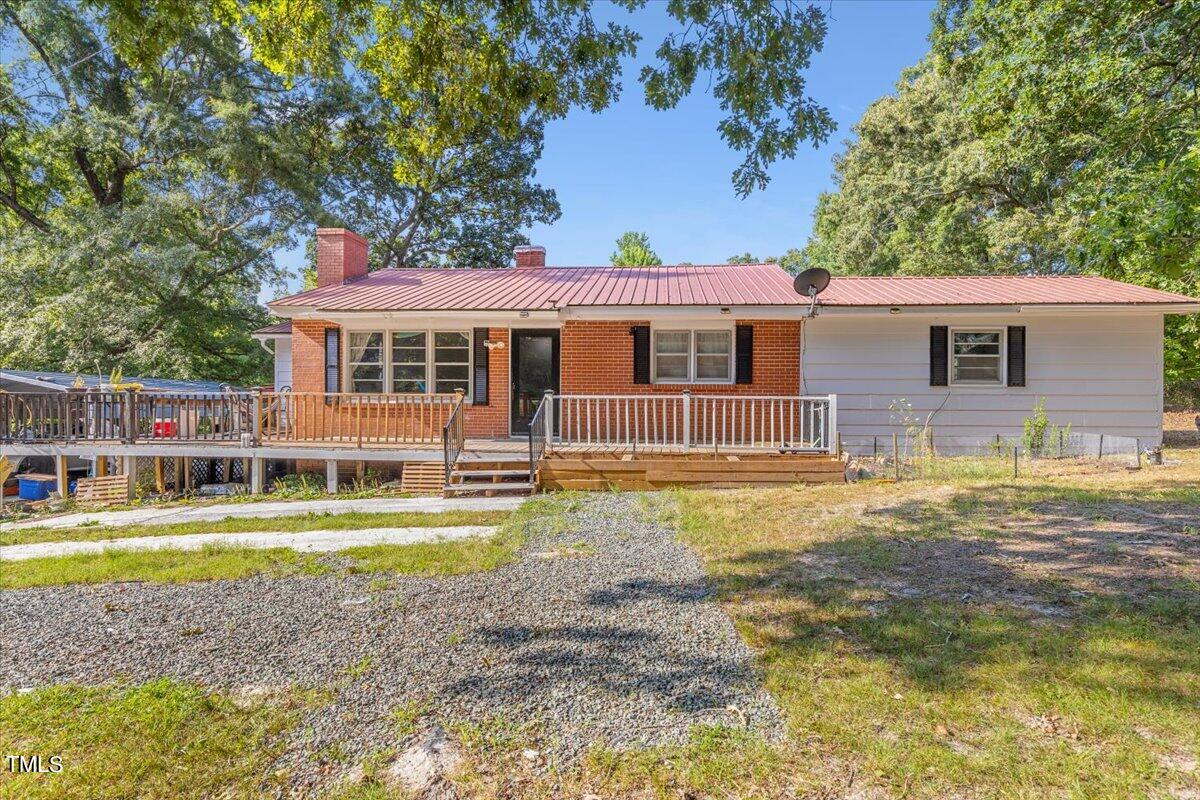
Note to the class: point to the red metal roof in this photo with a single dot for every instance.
(548, 288)
(991, 290)
(278, 329)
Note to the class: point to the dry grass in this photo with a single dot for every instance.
(1034, 637)
(971, 636)
(1180, 429)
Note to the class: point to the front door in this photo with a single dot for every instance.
(534, 370)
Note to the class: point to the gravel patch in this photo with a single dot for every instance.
(606, 633)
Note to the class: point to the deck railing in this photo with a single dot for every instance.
(454, 438)
(360, 419)
(695, 421)
(129, 417)
(269, 417)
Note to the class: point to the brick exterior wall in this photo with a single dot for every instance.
(597, 358)
(492, 420)
(308, 355)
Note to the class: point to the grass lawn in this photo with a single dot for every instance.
(968, 635)
(960, 635)
(216, 561)
(353, 520)
(157, 740)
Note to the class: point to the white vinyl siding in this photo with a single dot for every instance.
(1099, 373)
(283, 363)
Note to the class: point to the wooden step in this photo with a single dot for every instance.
(490, 473)
(456, 488)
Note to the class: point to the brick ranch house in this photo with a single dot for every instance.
(971, 355)
(538, 376)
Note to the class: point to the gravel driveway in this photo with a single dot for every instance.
(618, 642)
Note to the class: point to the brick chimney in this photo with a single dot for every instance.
(341, 256)
(530, 256)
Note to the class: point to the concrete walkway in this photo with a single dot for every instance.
(266, 510)
(304, 542)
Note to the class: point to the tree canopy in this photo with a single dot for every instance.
(153, 155)
(790, 260)
(449, 66)
(141, 200)
(1037, 137)
(633, 250)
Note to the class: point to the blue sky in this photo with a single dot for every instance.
(668, 172)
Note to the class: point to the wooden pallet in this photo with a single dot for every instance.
(108, 490)
(423, 477)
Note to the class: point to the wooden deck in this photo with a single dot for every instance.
(699, 470)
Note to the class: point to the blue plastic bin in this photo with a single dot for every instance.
(33, 488)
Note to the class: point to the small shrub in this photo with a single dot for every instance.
(1041, 437)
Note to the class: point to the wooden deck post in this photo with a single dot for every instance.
(101, 466)
(687, 420)
(258, 469)
(179, 483)
(160, 475)
(64, 478)
(896, 454)
(331, 477)
(130, 477)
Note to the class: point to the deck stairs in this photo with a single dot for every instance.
(491, 474)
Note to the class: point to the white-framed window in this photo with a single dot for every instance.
(365, 361)
(692, 356)
(451, 361)
(977, 356)
(672, 351)
(408, 362)
(713, 356)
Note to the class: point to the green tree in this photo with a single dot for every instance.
(471, 214)
(790, 261)
(633, 250)
(916, 194)
(141, 200)
(143, 203)
(449, 67)
(1038, 137)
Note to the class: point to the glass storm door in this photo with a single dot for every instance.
(534, 370)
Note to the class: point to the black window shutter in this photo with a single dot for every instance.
(480, 386)
(1016, 355)
(744, 361)
(939, 355)
(333, 360)
(641, 353)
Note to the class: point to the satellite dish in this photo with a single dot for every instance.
(811, 282)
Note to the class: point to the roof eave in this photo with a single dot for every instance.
(1017, 308)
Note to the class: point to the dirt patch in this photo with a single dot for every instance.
(1043, 561)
